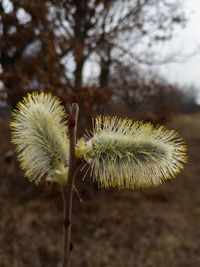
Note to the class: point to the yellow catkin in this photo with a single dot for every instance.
(39, 132)
(127, 154)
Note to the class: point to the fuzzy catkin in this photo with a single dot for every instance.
(40, 133)
(127, 154)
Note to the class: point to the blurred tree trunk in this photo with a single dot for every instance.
(78, 49)
(105, 63)
(45, 44)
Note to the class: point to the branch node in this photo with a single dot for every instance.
(71, 246)
(66, 222)
(71, 122)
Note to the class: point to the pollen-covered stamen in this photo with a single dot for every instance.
(128, 154)
(39, 130)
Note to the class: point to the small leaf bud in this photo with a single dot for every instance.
(74, 99)
(71, 121)
(71, 246)
(66, 222)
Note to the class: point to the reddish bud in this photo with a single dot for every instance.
(71, 246)
(66, 222)
(71, 121)
(74, 99)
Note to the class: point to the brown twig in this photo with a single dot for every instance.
(67, 191)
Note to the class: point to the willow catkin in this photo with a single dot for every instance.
(127, 154)
(39, 131)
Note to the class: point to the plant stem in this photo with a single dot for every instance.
(67, 192)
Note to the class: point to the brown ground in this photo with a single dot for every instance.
(154, 228)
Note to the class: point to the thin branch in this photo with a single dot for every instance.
(67, 191)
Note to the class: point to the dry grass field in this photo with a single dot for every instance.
(152, 228)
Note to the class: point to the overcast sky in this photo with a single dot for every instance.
(185, 44)
(186, 41)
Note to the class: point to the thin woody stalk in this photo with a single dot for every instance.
(67, 192)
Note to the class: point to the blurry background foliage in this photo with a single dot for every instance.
(92, 48)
